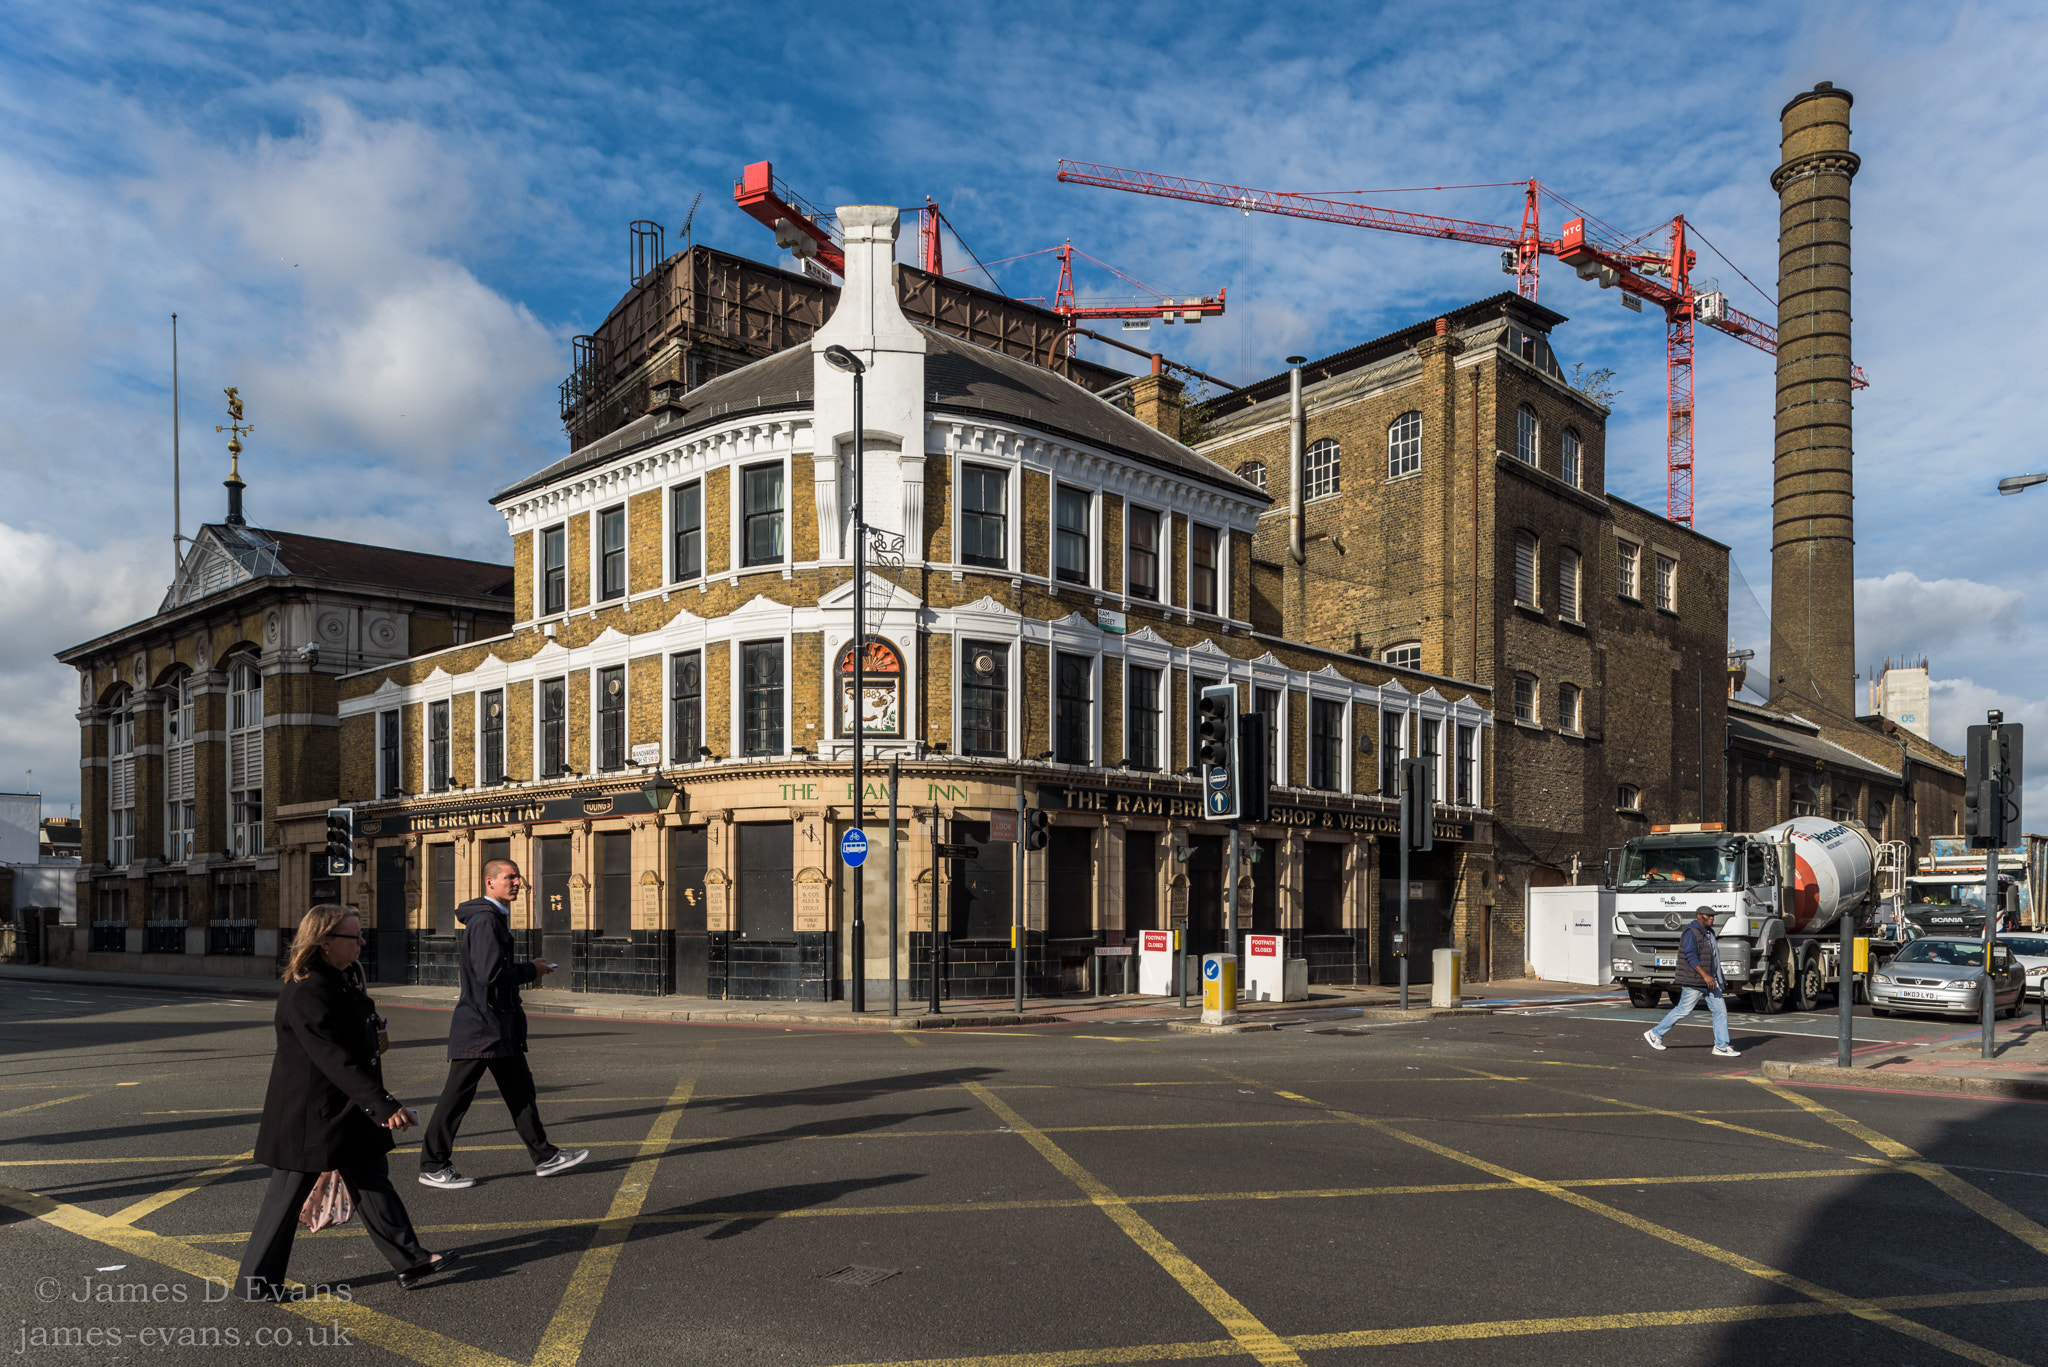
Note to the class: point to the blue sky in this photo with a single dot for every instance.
(384, 225)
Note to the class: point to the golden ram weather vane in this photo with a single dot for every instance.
(237, 429)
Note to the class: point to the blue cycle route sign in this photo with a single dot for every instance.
(1212, 968)
(853, 848)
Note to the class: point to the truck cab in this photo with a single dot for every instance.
(1660, 880)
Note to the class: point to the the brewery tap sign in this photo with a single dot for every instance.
(853, 848)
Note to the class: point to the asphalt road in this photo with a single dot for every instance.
(1529, 1187)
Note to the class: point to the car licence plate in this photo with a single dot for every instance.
(1665, 962)
(1918, 995)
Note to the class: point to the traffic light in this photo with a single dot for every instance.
(1992, 774)
(1254, 766)
(341, 841)
(1418, 802)
(1036, 836)
(1216, 750)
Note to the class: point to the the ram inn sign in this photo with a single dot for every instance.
(1064, 797)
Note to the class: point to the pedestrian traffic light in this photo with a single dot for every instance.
(1216, 750)
(1036, 836)
(1254, 766)
(1418, 802)
(341, 841)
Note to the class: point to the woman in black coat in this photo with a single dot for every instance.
(326, 1109)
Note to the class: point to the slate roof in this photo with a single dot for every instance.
(316, 557)
(960, 377)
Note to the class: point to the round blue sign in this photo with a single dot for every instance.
(853, 848)
(1212, 968)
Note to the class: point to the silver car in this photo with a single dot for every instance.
(1939, 973)
(2031, 949)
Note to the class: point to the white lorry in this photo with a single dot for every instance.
(1778, 896)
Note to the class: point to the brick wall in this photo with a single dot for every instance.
(578, 551)
(1035, 536)
(646, 557)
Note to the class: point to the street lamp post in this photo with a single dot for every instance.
(839, 358)
(2020, 483)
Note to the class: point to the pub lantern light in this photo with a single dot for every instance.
(659, 792)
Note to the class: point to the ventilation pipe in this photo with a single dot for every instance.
(1297, 432)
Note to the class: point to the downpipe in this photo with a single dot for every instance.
(1297, 432)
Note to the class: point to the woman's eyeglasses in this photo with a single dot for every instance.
(338, 935)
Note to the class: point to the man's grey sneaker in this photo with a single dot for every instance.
(1650, 1038)
(1726, 1051)
(563, 1160)
(447, 1179)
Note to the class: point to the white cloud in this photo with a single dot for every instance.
(49, 605)
(384, 340)
(1901, 615)
(322, 271)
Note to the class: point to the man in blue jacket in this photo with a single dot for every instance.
(488, 1034)
(1698, 975)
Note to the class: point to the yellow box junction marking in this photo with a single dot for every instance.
(407, 1340)
(1857, 1306)
(562, 1342)
(1244, 1328)
(1997, 1212)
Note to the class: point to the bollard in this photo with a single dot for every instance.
(1447, 983)
(1219, 989)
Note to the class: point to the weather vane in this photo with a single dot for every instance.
(238, 428)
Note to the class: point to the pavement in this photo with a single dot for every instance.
(1951, 1059)
(1369, 1002)
(1337, 1190)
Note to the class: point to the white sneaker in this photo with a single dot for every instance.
(1650, 1038)
(563, 1160)
(447, 1179)
(1726, 1051)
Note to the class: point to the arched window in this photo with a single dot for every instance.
(1253, 472)
(1628, 798)
(120, 780)
(1525, 569)
(245, 757)
(1406, 655)
(1526, 706)
(1569, 576)
(180, 780)
(1569, 703)
(881, 684)
(1568, 465)
(1320, 475)
(1404, 445)
(1526, 430)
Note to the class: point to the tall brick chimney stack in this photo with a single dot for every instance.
(1813, 551)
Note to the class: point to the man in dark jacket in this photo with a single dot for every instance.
(1698, 975)
(488, 1034)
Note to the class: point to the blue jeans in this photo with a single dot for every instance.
(1688, 998)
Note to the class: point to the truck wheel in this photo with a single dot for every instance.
(1643, 998)
(1776, 992)
(1807, 985)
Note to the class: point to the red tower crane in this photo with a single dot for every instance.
(807, 230)
(1663, 277)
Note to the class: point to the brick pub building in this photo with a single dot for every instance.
(663, 739)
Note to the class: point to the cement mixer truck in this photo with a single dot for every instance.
(1778, 897)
